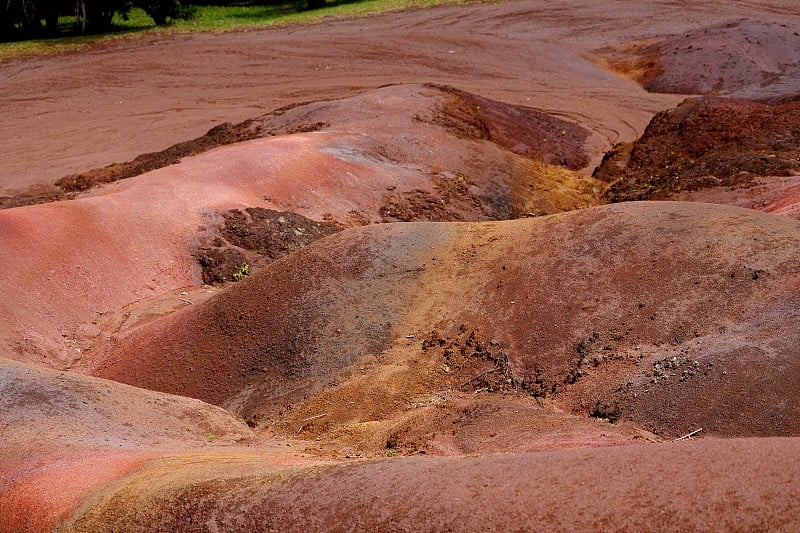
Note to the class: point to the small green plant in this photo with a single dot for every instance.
(212, 437)
(392, 453)
(242, 272)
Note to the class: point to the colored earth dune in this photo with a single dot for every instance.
(509, 266)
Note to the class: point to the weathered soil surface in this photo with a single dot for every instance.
(358, 275)
(711, 144)
(585, 310)
(626, 488)
(217, 216)
(749, 58)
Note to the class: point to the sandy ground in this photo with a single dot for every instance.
(75, 112)
(533, 368)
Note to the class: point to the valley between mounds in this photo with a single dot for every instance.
(517, 276)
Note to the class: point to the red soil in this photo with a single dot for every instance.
(748, 58)
(732, 485)
(136, 239)
(609, 326)
(66, 435)
(96, 106)
(582, 305)
(40, 492)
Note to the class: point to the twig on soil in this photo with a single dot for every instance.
(186, 300)
(307, 422)
(689, 435)
(473, 378)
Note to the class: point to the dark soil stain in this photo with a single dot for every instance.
(478, 365)
(217, 136)
(519, 129)
(705, 142)
(454, 198)
(248, 239)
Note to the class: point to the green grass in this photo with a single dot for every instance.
(210, 18)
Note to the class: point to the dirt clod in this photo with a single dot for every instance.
(247, 239)
(705, 143)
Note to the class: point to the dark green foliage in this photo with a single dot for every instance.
(26, 19)
(163, 11)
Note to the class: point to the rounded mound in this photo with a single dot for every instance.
(576, 308)
(146, 237)
(677, 486)
(748, 59)
(712, 149)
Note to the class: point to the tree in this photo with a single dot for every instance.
(162, 11)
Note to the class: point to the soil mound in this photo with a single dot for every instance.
(599, 329)
(65, 435)
(518, 129)
(95, 413)
(669, 487)
(575, 309)
(749, 59)
(147, 237)
(711, 143)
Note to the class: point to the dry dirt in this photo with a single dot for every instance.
(631, 488)
(575, 309)
(360, 275)
(708, 143)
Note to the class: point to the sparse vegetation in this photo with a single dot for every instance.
(243, 271)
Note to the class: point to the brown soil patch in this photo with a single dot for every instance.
(637, 60)
(66, 187)
(705, 143)
(453, 198)
(217, 136)
(520, 129)
(247, 239)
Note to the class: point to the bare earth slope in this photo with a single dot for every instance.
(715, 150)
(578, 308)
(64, 435)
(75, 271)
(629, 488)
(75, 112)
(747, 58)
(530, 372)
